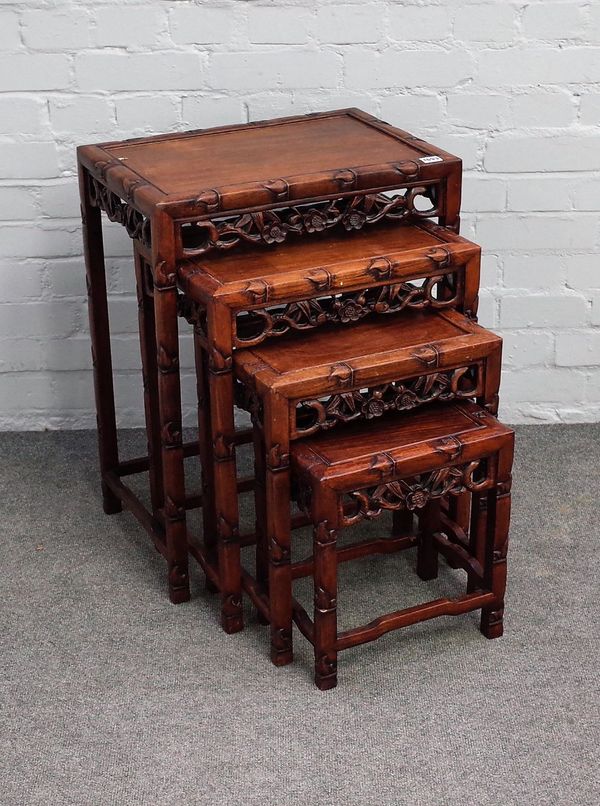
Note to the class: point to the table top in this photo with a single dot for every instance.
(232, 167)
(366, 453)
(376, 351)
(344, 256)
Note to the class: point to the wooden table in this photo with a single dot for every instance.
(189, 195)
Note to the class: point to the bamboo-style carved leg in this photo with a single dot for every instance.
(222, 424)
(427, 555)
(148, 351)
(93, 251)
(499, 501)
(260, 495)
(278, 527)
(209, 522)
(451, 213)
(478, 516)
(325, 592)
(402, 522)
(169, 406)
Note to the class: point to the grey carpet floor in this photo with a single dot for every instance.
(110, 695)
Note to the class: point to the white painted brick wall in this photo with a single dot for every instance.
(512, 87)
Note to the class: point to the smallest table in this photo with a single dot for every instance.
(409, 464)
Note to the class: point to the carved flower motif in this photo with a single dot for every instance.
(406, 400)
(373, 408)
(417, 498)
(314, 221)
(274, 232)
(354, 219)
(349, 310)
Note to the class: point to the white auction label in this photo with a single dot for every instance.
(430, 159)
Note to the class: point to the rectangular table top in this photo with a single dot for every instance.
(345, 257)
(274, 160)
(373, 351)
(399, 444)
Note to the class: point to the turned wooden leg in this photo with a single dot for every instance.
(169, 407)
(93, 251)
(499, 502)
(148, 351)
(209, 521)
(278, 527)
(260, 494)
(427, 555)
(325, 592)
(222, 425)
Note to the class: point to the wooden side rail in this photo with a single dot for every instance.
(413, 615)
(303, 621)
(389, 545)
(259, 600)
(131, 502)
(460, 557)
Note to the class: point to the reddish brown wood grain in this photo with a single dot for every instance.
(248, 180)
(403, 471)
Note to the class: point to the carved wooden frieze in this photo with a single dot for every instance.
(135, 223)
(415, 492)
(253, 327)
(344, 407)
(274, 226)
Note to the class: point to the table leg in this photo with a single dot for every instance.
(499, 503)
(169, 406)
(222, 424)
(209, 524)
(260, 509)
(148, 351)
(278, 526)
(93, 250)
(325, 516)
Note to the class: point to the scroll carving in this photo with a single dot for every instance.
(135, 223)
(193, 312)
(415, 492)
(245, 398)
(274, 226)
(255, 326)
(344, 407)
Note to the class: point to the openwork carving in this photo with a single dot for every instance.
(274, 226)
(135, 223)
(253, 327)
(193, 312)
(415, 492)
(245, 399)
(344, 407)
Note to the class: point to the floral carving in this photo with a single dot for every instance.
(344, 407)
(135, 223)
(349, 310)
(273, 226)
(354, 219)
(275, 232)
(314, 220)
(416, 492)
(257, 325)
